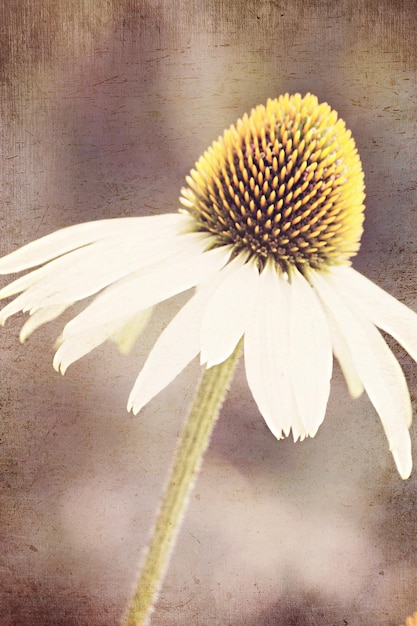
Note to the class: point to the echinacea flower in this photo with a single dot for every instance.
(270, 218)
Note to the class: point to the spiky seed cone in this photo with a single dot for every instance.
(285, 182)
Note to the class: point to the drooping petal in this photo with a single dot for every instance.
(344, 356)
(310, 353)
(153, 284)
(87, 270)
(267, 356)
(228, 311)
(121, 331)
(40, 317)
(78, 345)
(62, 241)
(20, 303)
(378, 369)
(376, 304)
(24, 282)
(126, 336)
(380, 307)
(53, 284)
(174, 349)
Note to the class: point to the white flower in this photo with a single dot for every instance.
(269, 263)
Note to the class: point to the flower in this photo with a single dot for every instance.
(271, 216)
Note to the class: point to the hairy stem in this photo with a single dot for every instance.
(192, 445)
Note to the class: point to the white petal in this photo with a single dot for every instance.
(87, 270)
(379, 306)
(379, 370)
(228, 311)
(72, 237)
(45, 287)
(372, 303)
(24, 282)
(267, 356)
(175, 347)
(16, 305)
(344, 356)
(38, 318)
(126, 336)
(311, 357)
(151, 285)
(77, 346)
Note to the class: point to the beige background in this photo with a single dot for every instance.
(105, 106)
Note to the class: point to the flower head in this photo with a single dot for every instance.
(284, 184)
(271, 215)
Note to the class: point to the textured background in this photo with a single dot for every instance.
(105, 106)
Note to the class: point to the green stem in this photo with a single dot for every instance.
(194, 441)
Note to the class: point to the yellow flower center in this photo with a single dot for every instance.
(284, 183)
